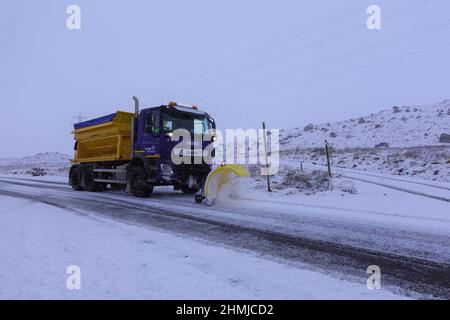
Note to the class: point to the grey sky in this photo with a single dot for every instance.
(239, 60)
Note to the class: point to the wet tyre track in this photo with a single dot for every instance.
(362, 235)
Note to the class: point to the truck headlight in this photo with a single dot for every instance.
(166, 169)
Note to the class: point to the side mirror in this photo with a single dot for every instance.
(212, 123)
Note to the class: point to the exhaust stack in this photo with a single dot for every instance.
(136, 107)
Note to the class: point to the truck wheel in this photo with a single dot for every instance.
(75, 178)
(138, 183)
(88, 182)
(199, 198)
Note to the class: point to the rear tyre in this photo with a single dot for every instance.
(75, 178)
(88, 182)
(138, 183)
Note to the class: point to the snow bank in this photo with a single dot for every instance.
(120, 261)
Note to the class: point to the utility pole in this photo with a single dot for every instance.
(238, 150)
(265, 154)
(79, 117)
(328, 158)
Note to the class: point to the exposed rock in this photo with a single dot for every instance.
(333, 135)
(382, 145)
(309, 127)
(396, 109)
(361, 121)
(444, 138)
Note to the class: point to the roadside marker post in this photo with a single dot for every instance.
(265, 154)
(328, 157)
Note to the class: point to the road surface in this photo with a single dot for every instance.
(412, 259)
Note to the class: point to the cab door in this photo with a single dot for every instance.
(149, 141)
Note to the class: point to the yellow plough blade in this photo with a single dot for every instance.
(221, 176)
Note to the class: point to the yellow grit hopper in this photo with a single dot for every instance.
(106, 138)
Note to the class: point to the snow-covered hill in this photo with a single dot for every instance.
(397, 127)
(412, 141)
(52, 162)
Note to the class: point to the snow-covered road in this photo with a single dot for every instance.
(340, 238)
(122, 261)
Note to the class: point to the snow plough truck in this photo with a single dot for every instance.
(133, 152)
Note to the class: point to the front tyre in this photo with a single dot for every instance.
(199, 198)
(138, 183)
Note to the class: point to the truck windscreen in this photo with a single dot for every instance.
(194, 123)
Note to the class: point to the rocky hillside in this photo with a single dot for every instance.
(401, 126)
(52, 162)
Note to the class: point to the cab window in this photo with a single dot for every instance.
(155, 119)
(151, 122)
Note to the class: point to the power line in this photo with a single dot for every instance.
(272, 59)
(352, 53)
(445, 44)
(306, 29)
(282, 39)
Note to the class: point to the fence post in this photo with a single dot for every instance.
(328, 158)
(265, 154)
